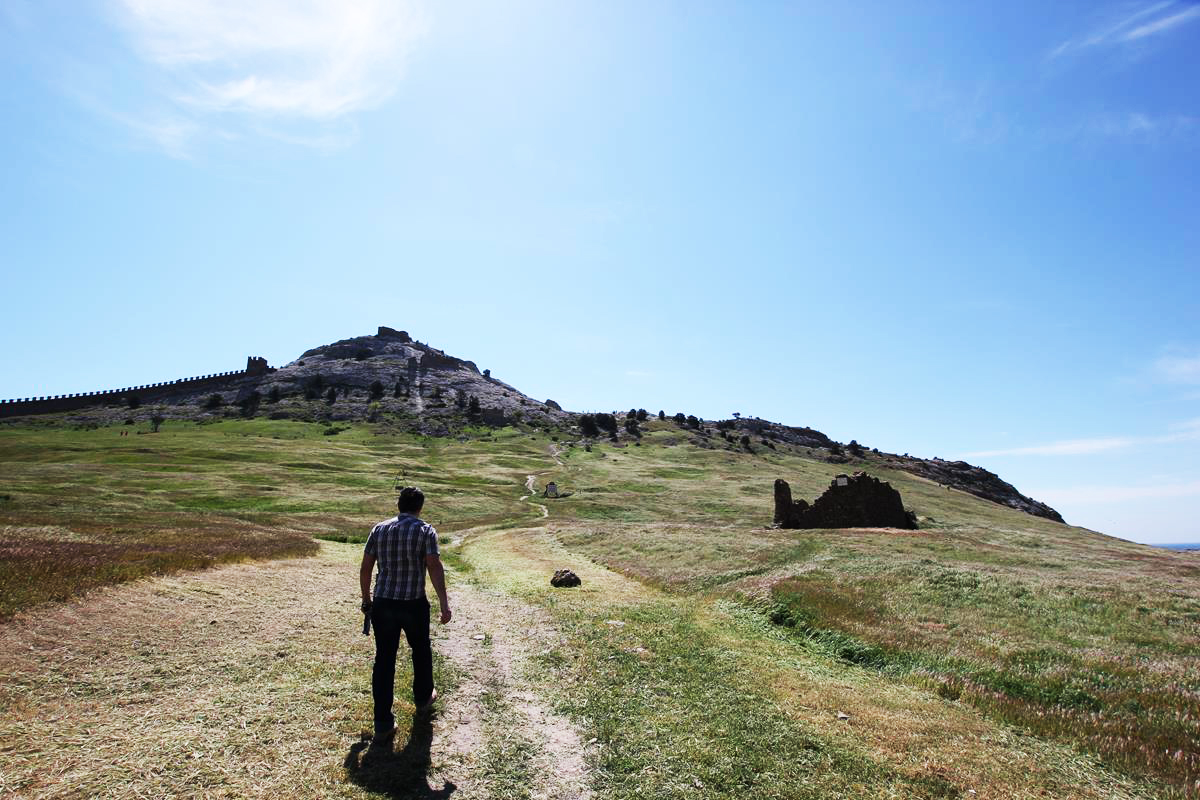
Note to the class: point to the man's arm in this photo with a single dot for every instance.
(364, 577)
(438, 575)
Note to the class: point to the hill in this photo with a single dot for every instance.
(404, 385)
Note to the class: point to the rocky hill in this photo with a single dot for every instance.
(391, 379)
(390, 375)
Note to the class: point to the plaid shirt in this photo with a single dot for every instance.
(400, 545)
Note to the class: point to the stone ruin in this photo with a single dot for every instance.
(858, 501)
(403, 336)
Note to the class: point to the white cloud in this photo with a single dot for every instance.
(1117, 494)
(1071, 447)
(1178, 368)
(1180, 432)
(270, 60)
(1150, 20)
(1162, 25)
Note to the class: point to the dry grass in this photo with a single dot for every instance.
(41, 562)
(248, 680)
(648, 686)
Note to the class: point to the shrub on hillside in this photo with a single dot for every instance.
(607, 422)
(249, 404)
(214, 401)
(331, 395)
(273, 395)
(314, 386)
(588, 426)
(376, 390)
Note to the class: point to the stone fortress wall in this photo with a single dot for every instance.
(147, 393)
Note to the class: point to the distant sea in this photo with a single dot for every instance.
(1193, 546)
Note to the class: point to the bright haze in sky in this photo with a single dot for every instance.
(951, 229)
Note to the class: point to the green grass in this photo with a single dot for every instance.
(1077, 639)
(86, 508)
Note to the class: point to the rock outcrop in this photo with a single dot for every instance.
(564, 578)
(858, 501)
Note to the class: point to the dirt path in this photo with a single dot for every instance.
(494, 714)
(251, 680)
(529, 487)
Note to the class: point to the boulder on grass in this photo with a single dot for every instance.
(564, 578)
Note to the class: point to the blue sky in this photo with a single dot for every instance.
(956, 230)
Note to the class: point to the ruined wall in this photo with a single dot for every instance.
(858, 501)
(146, 393)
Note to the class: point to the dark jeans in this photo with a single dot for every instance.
(390, 618)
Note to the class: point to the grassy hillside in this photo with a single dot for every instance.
(990, 653)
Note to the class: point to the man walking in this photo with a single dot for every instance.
(403, 547)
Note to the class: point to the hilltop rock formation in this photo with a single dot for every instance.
(979, 482)
(423, 388)
(858, 501)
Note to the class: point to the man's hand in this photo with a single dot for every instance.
(366, 606)
(445, 614)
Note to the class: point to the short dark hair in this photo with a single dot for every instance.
(411, 500)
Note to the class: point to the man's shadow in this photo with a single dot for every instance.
(379, 767)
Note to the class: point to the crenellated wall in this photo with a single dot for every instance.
(146, 393)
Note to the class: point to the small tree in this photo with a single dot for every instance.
(331, 395)
(641, 415)
(587, 425)
(473, 407)
(249, 404)
(134, 401)
(835, 449)
(376, 390)
(693, 422)
(745, 440)
(214, 401)
(631, 426)
(855, 448)
(460, 399)
(662, 415)
(401, 389)
(273, 395)
(680, 419)
(155, 421)
(487, 373)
